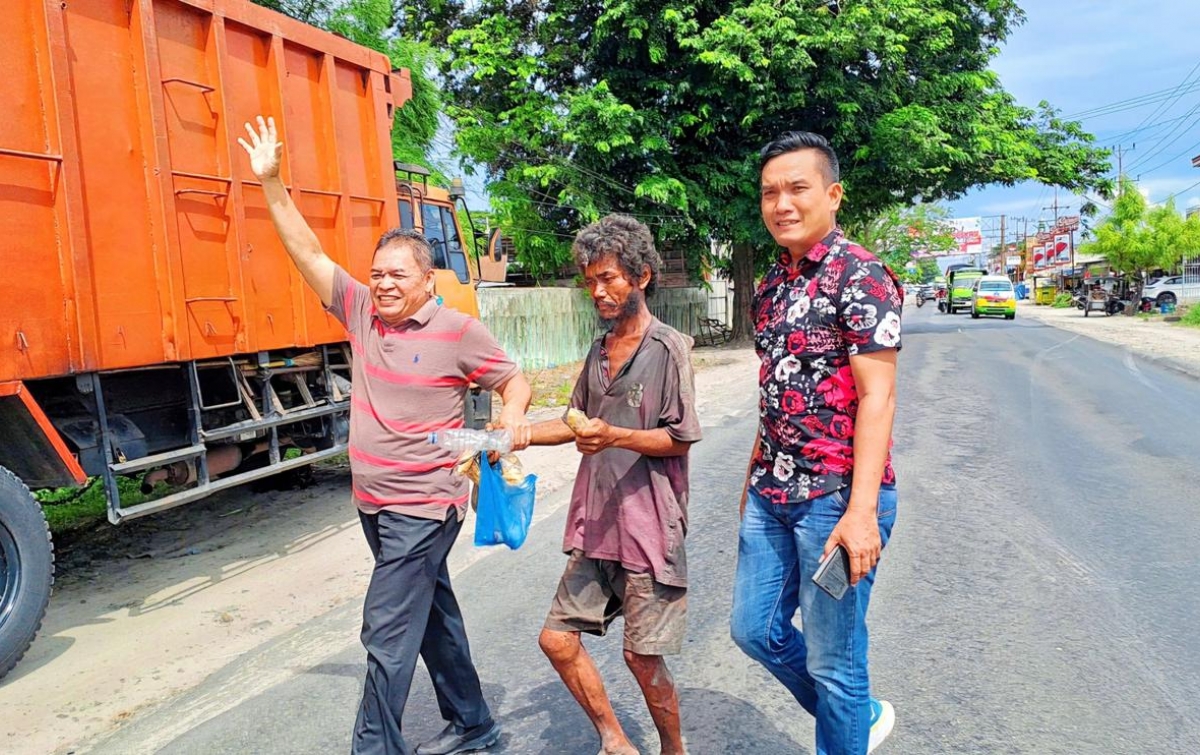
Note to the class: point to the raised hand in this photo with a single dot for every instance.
(264, 149)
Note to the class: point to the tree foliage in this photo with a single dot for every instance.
(1137, 238)
(900, 234)
(575, 108)
(373, 24)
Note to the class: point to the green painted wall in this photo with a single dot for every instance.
(548, 327)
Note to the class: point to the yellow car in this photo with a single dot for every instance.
(993, 295)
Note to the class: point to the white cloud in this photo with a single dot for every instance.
(1158, 189)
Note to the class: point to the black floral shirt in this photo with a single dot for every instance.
(839, 301)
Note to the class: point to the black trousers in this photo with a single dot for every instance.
(411, 610)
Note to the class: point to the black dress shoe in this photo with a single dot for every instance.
(454, 740)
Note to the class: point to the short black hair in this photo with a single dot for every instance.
(626, 240)
(794, 141)
(422, 251)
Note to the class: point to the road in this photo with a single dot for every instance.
(1038, 595)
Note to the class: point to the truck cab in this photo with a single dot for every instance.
(960, 287)
(430, 209)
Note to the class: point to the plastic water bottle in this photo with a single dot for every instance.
(466, 439)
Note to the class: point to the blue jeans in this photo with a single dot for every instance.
(825, 667)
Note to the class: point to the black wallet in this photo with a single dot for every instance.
(833, 574)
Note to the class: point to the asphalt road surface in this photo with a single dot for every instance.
(1038, 595)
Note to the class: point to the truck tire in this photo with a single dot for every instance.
(26, 569)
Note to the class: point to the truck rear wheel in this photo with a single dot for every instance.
(26, 569)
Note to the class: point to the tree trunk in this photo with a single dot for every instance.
(743, 292)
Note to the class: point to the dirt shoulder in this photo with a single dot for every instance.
(150, 609)
(1171, 344)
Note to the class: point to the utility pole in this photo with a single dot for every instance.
(1054, 207)
(1003, 251)
(1121, 163)
(1025, 246)
(1053, 236)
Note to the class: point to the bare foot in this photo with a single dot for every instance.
(620, 748)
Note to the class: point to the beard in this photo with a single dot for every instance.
(632, 305)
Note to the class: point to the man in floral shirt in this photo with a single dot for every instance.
(820, 475)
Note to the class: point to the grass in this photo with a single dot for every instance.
(1191, 317)
(74, 509)
(552, 387)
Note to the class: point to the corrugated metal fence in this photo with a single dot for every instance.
(548, 327)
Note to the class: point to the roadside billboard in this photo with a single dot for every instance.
(968, 234)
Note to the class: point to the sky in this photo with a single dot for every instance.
(1081, 55)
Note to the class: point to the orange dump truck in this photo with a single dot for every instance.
(151, 325)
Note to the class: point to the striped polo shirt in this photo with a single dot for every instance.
(411, 380)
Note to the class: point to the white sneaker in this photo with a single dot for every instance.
(883, 718)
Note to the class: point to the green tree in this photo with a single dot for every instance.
(927, 270)
(373, 24)
(1137, 238)
(899, 234)
(580, 107)
(315, 12)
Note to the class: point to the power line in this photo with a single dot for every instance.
(1159, 146)
(643, 218)
(1125, 135)
(1132, 103)
(565, 163)
(1177, 94)
(541, 233)
(1170, 160)
(1181, 191)
(557, 202)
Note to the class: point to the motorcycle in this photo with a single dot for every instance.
(924, 294)
(940, 297)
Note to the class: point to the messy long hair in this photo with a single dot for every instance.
(624, 239)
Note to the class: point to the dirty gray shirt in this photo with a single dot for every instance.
(627, 507)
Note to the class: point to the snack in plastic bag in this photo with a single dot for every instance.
(468, 466)
(576, 420)
(504, 510)
(511, 469)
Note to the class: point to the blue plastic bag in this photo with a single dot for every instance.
(504, 511)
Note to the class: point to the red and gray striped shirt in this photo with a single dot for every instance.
(411, 380)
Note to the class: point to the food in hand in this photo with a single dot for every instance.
(576, 420)
(468, 466)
